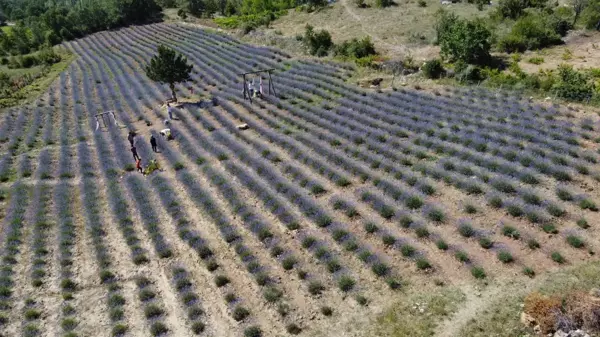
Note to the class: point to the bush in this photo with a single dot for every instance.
(582, 222)
(346, 283)
(433, 69)
(575, 241)
(549, 228)
(533, 244)
(486, 243)
(462, 256)
(478, 272)
(423, 264)
(221, 280)
(371, 228)
(380, 269)
(529, 272)
(240, 313)
(158, 328)
(536, 60)
(466, 230)
(588, 204)
(422, 232)
(293, 329)
(530, 32)
(441, 244)
(572, 85)
(356, 48)
(463, 40)
(557, 257)
(505, 257)
(318, 43)
(315, 288)
(253, 331)
(511, 232)
(326, 311)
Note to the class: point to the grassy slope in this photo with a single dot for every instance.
(499, 316)
(40, 85)
(390, 28)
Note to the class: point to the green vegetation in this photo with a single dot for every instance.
(41, 24)
(169, 67)
(402, 320)
(463, 40)
(20, 85)
(502, 317)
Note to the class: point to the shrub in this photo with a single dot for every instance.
(253, 331)
(293, 329)
(346, 283)
(486, 243)
(119, 330)
(240, 313)
(393, 283)
(441, 244)
(433, 69)
(272, 294)
(423, 264)
(529, 272)
(356, 48)
(511, 232)
(315, 288)
(582, 222)
(588, 204)
(466, 230)
(361, 300)
(422, 3)
(388, 240)
(575, 86)
(308, 241)
(533, 244)
(555, 210)
(436, 215)
(221, 280)
(158, 328)
(371, 228)
(470, 209)
(575, 241)
(333, 266)
(317, 43)
(557, 257)
(463, 40)
(380, 269)
(198, 327)
(414, 202)
(153, 311)
(462, 256)
(289, 262)
(422, 232)
(478, 272)
(326, 311)
(549, 228)
(536, 60)
(405, 221)
(505, 257)
(495, 202)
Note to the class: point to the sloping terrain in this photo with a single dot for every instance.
(313, 220)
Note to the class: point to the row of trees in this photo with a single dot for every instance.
(42, 23)
(207, 8)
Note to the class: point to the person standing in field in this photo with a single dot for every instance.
(138, 166)
(130, 137)
(135, 154)
(170, 110)
(153, 143)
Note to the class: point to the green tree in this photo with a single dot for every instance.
(318, 43)
(572, 84)
(170, 67)
(463, 40)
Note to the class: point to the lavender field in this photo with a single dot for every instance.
(334, 202)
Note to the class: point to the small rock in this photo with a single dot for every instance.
(527, 319)
(243, 126)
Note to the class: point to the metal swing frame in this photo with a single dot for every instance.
(103, 120)
(271, 84)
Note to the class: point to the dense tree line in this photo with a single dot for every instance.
(41, 23)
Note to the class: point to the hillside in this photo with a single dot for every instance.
(333, 214)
